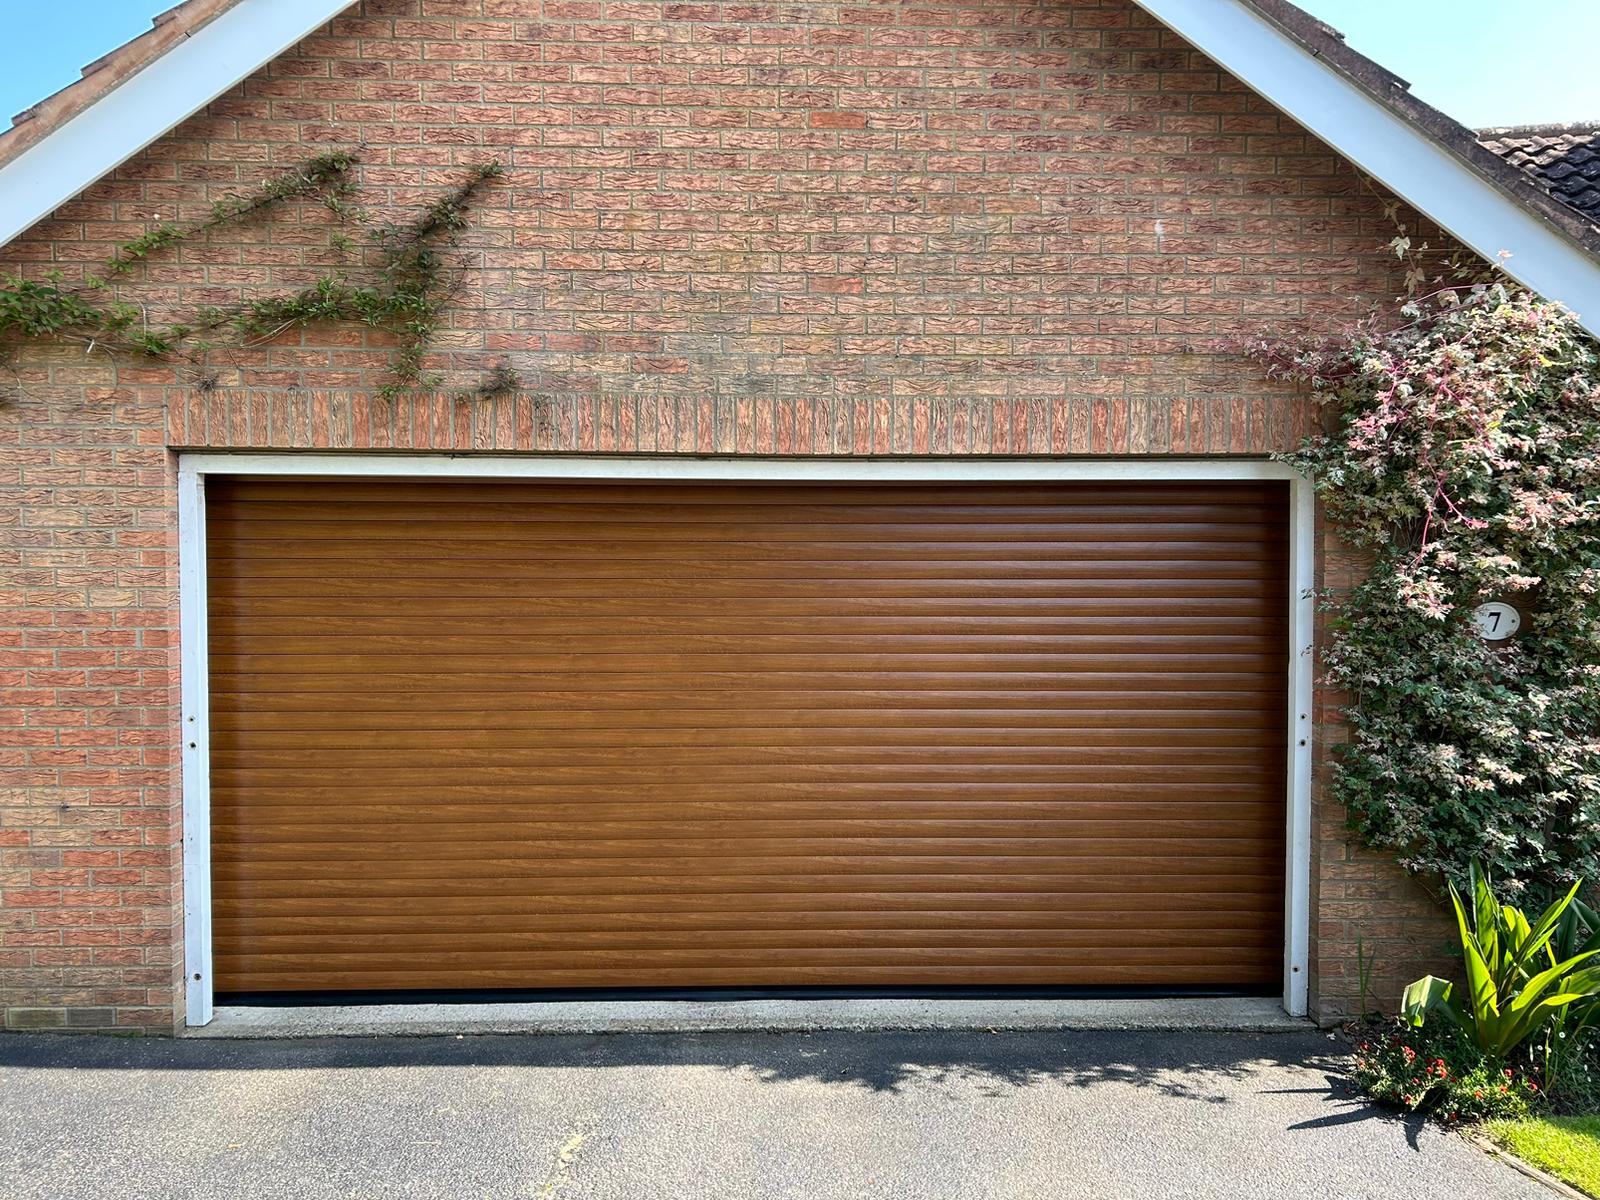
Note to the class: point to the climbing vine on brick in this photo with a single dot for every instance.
(405, 292)
(1462, 454)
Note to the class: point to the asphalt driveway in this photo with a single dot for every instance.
(731, 1116)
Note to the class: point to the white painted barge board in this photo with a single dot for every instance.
(181, 81)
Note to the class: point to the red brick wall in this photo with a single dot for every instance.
(89, 860)
(1364, 909)
(790, 228)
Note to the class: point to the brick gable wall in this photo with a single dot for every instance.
(785, 228)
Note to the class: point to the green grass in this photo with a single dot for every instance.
(1567, 1147)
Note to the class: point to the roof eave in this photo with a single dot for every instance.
(1405, 144)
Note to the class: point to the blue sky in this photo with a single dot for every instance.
(1485, 62)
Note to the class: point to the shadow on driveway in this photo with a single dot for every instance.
(720, 1116)
(1184, 1066)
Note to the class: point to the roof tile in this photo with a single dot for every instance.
(1562, 159)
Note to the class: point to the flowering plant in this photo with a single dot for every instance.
(1437, 1071)
(1461, 456)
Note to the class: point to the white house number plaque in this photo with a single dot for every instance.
(1496, 621)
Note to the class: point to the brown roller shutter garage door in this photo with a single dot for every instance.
(513, 735)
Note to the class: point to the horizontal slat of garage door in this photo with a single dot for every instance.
(526, 735)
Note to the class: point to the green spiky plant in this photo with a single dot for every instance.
(1519, 980)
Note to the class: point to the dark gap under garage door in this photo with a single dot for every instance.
(515, 735)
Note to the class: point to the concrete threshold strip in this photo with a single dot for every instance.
(1229, 1014)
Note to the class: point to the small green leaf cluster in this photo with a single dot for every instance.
(328, 175)
(1461, 453)
(142, 247)
(36, 310)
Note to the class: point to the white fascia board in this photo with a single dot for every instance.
(1389, 148)
(664, 467)
(183, 80)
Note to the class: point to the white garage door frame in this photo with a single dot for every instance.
(193, 469)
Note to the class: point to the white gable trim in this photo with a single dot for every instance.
(1389, 148)
(183, 80)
